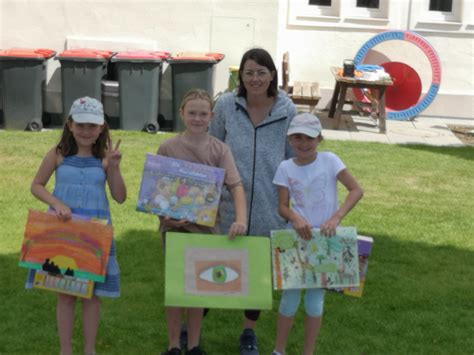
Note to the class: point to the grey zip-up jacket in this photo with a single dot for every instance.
(257, 152)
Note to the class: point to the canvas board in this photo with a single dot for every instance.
(78, 248)
(321, 262)
(210, 271)
(180, 189)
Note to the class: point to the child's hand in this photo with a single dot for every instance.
(236, 229)
(168, 223)
(328, 228)
(113, 155)
(302, 227)
(62, 211)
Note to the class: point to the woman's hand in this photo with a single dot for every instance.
(236, 229)
(168, 223)
(62, 211)
(302, 227)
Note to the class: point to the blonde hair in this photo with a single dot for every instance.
(196, 94)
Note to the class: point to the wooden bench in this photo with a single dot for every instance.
(302, 92)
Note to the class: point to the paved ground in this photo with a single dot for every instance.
(421, 130)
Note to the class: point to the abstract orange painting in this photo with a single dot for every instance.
(78, 248)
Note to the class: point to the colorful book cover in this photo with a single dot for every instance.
(207, 270)
(77, 248)
(319, 262)
(364, 244)
(180, 189)
(64, 284)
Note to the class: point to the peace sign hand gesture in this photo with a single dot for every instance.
(113, 155)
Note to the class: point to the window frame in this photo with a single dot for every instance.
(459, 20)
(341, 13)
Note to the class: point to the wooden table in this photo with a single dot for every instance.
(340, 91)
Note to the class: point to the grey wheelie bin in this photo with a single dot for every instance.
(23, 77)
(81, 74)
(139, 76)
(191, 71)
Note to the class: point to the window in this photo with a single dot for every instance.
(370, 10)
(320, 2)
(371, 4)
(439, 15)
(313, 11)
(365, 14)
(441, 5)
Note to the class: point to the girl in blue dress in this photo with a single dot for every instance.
(83, 161)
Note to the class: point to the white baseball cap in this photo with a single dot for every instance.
(87, 110)
(305, 123)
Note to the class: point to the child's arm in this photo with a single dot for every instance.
(301, 226)
(328, 228)
(114, 176)
(38, 186)
(239, 227)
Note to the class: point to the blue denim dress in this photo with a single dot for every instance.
(80, 184)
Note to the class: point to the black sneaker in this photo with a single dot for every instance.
(183, 337)
(195, 351)
(248, 342)
(172, 351)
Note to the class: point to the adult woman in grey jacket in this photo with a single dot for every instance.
(253, 121)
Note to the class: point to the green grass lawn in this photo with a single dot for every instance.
(419, 296)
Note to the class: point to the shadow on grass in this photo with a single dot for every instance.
(418, 299)
(466, 152)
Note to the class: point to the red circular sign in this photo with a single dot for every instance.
(406, 89)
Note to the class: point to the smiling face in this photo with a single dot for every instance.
(256, 78)
(85, 134)
(196, 115)
(304, 147)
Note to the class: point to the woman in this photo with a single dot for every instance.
(253, 122)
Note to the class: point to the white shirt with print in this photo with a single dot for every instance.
(312, 187)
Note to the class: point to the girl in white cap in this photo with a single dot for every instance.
(307, 198)
(83, 161)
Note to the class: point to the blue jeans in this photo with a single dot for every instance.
(313, 302)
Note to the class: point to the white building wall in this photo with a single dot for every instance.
(232, 26)
(317, 42)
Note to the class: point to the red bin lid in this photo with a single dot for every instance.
(216, 56)
(142, 55)
(39, 53)
(86, 53)
(197, 57)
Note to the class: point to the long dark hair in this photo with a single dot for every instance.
(261, 57)
(67, 146)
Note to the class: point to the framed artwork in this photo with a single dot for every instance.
(319, 262)
(204, 270)
(364, 245)
(77, 248)
(180, 189)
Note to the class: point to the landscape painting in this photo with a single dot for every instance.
(319, 262)
(76, 248)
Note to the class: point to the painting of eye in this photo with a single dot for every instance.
(214, 271)
(219, 274)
